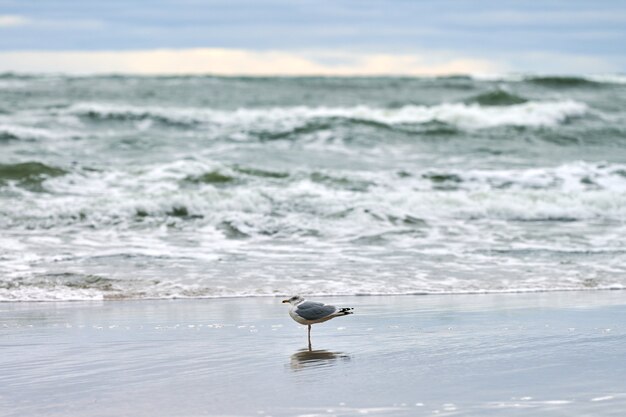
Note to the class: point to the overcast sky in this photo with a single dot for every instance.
(305, 36)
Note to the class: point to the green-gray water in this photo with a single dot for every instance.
(134, 187)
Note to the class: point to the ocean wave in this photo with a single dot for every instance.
(256, 202)
(173, 116)
(497, 97)
(466, 116)
(239, 174)
(556, 81)
(561, 81)
(79, 287)
(17, 132)
(608, 78)
(56, 287)
(572, 177)
(29, 175)
(17, 76)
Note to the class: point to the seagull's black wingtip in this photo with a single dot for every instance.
(347, 310)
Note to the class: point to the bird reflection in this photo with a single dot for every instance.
(306, 358)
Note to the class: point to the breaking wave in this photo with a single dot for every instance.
(267, 202)
(86, 287)
(557, 81)
(467, 116)
(29, 175)
(16, 132)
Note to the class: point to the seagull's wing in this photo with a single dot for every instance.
(310, 310)
(310, 304)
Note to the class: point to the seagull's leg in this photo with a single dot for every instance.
(309, 337)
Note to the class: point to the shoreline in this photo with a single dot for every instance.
(455, 355)
(326, 296)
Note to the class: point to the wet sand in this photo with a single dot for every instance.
(548, 354)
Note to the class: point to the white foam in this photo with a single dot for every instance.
(280, 253)
(46, 293)
(26, 132)
(608, 78)
(531, 194)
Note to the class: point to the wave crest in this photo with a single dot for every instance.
(332, 203)
(561, 81)
(466, 116)
(16, 132)
(29, 175)
(497, 97)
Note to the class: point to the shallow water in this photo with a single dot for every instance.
(159, 187)
(465, 355)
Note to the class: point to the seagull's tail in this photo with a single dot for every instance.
(345, 311)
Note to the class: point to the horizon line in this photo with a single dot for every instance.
(485, 76)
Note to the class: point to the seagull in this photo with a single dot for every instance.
(311, 312)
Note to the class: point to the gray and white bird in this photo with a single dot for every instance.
(311, 312)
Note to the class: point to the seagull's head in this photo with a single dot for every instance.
(295, 300)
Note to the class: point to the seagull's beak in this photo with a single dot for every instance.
(285, 301)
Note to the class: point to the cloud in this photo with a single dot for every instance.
(12, 21)
(220, 61)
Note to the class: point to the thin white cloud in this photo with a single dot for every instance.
(7, 21)
(241, 62)
(11, 21)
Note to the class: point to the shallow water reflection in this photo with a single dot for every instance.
(306, 358)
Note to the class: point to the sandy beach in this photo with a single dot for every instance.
(549, 354)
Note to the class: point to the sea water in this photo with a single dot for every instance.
(116, 187)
